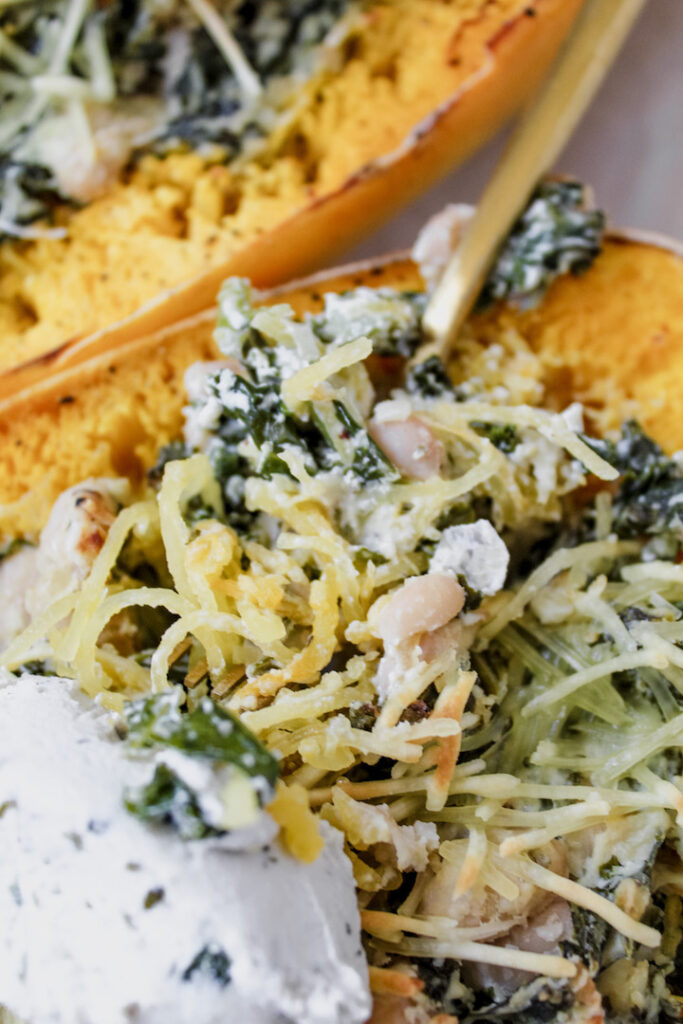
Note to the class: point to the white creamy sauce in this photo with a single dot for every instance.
(475, 551)
(203, 415)
(103, 916)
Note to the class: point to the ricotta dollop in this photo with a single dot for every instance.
(108, 921)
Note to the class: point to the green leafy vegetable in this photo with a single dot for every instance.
(430, 380)
(368, 461)
(208, 731)
(34, 668)
(249, 406)
(650, 495)
(553, 236)
(589, 939)
(503, 435)
(166, 799)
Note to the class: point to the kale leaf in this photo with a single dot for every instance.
(650, 495)
(553, 236)
(166, 799)
(368, 461)
(504, 436)
(430, 380)
(208, 731)
(33, 668)
(589, 938)
(255, 410)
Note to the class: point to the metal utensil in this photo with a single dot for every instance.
(541, 134)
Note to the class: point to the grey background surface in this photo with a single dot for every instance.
(629, 146)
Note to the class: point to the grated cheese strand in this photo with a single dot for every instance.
(589, 900)
(560, 560)
(480, 952)
(304, 385)
(141, 515)
(450, 703)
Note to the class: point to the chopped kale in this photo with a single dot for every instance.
(34, 668)
(503, 435)
(272, 345)
(464, 512)
(590, 935)
(541, 1001)
(197, 511)
(166, 799)
(255, 410)
(650, 495)
(208, 731)
(441, 980)
(153, 897)
(473, 598)
(635, 454)
(429, 380)
(368, 461)
(362, 556)
(553, 236)
(212, 963)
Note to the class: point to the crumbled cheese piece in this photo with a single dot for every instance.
(367, 824)
(475, 551)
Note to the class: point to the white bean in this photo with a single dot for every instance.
(410, 445)
(420, 605)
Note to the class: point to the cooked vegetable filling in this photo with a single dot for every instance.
(86, 89)
(450, 621)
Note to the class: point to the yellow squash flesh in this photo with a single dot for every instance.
(612, 338)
